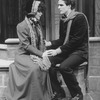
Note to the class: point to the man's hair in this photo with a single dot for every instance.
(70, 2)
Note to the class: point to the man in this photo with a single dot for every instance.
(70, 50)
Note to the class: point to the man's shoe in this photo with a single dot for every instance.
(77, 97)
(59, 96)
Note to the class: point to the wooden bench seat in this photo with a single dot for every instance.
(4, 64)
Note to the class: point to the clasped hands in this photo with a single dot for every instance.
(44, 63)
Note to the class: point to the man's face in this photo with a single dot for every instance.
(63, 7)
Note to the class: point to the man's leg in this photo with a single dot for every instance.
(54, 81)
(56, 86)
(66, 70)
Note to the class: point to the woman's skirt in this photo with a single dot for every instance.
(27, 81)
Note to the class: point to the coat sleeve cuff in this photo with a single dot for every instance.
(58, 51)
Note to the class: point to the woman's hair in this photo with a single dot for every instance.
(28, 7)
(70, 2)
(41, 7)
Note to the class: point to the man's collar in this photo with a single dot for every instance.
(71, 15)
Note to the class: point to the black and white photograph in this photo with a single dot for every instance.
(49, 49)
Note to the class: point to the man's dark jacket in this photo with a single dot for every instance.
(78, 37)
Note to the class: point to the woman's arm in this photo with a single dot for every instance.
(25, 42)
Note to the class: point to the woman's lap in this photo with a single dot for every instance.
(26, 77)
(25, 61)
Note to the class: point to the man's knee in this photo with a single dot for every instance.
(65, 67)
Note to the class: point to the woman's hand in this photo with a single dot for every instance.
(38, 61)
(44, 63)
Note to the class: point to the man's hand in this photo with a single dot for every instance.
(47, 43)
(54, 52)
(46, 53)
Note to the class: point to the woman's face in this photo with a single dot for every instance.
(38, 15)
(63, 8)
(35, 6)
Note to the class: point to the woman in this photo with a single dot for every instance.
(26, 79)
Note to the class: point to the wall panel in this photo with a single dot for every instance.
(97, 18)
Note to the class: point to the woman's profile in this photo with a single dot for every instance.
(27, 78)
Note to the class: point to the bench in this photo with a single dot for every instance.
(12, 46)
(4, 64)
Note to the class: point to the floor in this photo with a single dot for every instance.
(90, 96)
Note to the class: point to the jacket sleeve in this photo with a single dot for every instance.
(25, 42)
(58, 42)
(77, 34)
